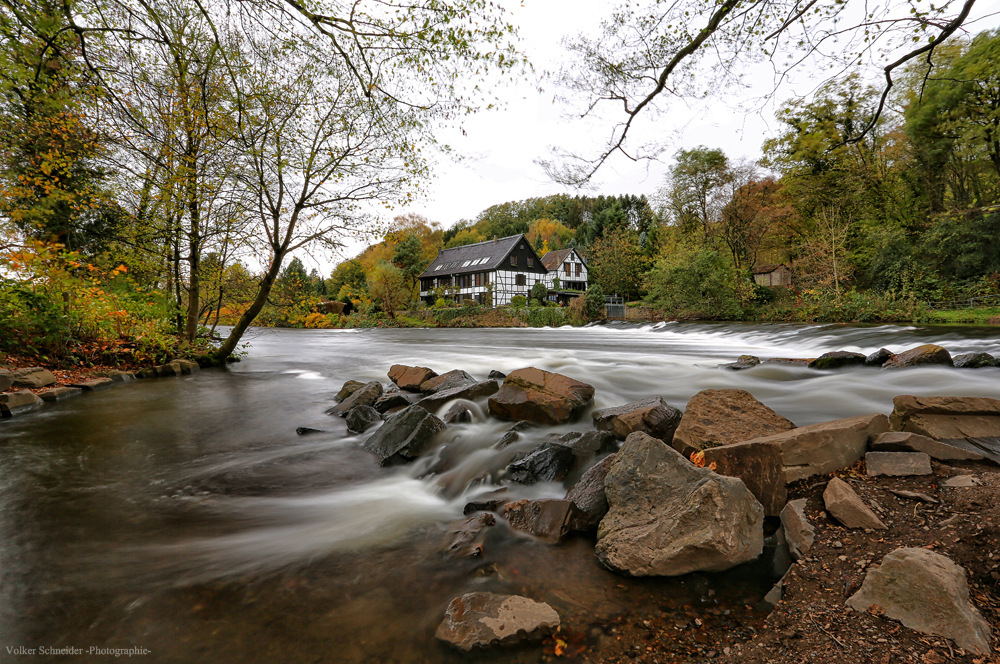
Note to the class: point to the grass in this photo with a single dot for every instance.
(984, 316)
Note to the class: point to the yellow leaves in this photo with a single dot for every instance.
(698, 459)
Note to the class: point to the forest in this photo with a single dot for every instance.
(164, 166)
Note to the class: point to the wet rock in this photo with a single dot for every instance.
(589, 445)
(589, 497)
(652, 416)
(496, 375)
(391, 401)
(481, 620)
(541, 397)
(59, 393)
(347, 389)
(897, 464)
(921, 355)
(761, 468)
(945, 418)
(168, 370)
(464, 537)
(905, 441)
(743, 362)
(846, 506)
(974, 361)
(790, 361)
(799, 532)
(366, 395)
(912, 580)
(16, 403)
(878, 358)
(362, 418)
(93, 384)
(404, 435)
(447, 381)
(33, 378)
(509, 438)
(546, 463)
(409, 378)
(147, 372)
(185, 367)
(724, 417)
(667, 517)
(490, 501)
(469, 392)
(458, 413)
(117, 376)
(546, 519)
(837, 359)
(307, 431)
(827, 446)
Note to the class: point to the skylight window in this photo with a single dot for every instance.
(438, 267)
(467, 263)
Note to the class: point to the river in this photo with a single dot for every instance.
(186, 517)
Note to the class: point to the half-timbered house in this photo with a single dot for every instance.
(490, 272)
(568, 266)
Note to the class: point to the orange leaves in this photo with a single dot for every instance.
(698, 459)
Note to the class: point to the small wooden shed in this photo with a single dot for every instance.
(773, 275)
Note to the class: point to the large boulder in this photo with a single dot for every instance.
(800, 534)
(897, 464)
(391, 401)
(540, 396)
(409, 378)
(404, 435)
(6, 379)
(921, 355)
(589, 497)
(53, 394)
(878, 358)
(362, 418)
(447, 381)
(743, 362)
(837, 359)
(927, 592)
(846, 506)
(945, 418)
(759, 465)
(471, 392)
(480, 620)
(974, 361)
(587, 446)
(825, 447)
(366, 395)
(905, 441)
(723, 417)
(546, 463)
(668, 517)
(15, 403)
(347, 389)
(33, 378)
(652, 416)
(547, 519)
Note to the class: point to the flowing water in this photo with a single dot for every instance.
(185, 516)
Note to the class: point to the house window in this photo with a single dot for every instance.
(479, 279)
(513, 260)
(568, 269)
(579, 269)
(531, 262)
(521, 280)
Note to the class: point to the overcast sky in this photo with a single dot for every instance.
(498, 148)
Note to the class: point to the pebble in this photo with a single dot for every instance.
(837, 544)
(841, 558)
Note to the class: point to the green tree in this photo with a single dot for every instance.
(539, 291)
(697, 188)
(387, 286)
(695, 282)
(617, 263)
(409, 258)
(593, 303)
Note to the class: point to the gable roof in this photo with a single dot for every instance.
(554, 259)
(477, 257)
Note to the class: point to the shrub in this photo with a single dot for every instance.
(593, 303)
(518, 301)
(539, 291)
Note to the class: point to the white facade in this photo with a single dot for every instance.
(572, 274)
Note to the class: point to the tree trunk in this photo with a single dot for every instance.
(229, 345)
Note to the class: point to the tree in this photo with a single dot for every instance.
(694, 281)
(649, 50)
(593, 302)
(409, 258)
(387, 286)
(617, 263)
(697, 188)
(539, 291)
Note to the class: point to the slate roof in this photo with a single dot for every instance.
(554, 259)
(478, 257)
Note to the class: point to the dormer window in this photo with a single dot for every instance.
(513, 260)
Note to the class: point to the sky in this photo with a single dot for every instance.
(497, 150)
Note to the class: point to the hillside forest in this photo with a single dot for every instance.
(157, 182)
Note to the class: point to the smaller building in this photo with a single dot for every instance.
(773, 276)
(568, 265)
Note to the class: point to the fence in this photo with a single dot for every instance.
(967, 303)
(614, 307)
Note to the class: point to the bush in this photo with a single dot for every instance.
(539, 292)
(593, 303)
(518, 301)
(697, 284)
(546, 317)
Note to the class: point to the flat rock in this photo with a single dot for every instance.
(184, 367)
(946, 417)
(481, 620)
(6, 379)
(790, 361)
(974, 361)
(652, 416)
(447, 381)
(15, 403)
(547, 519)
(961, 481)
(799, 532)
(667, 517)
(404, 435)
(93, 384)
(465, 536)
(469, 392)
(347, 389)
(724, 417)
(825, 447)
(927, 592)
(391, 401)
(541, 397)
(589, 497)
(759, 465)
(921, 355)
(897, 464)
(837, 359)
(490, 501)
(743, 362)
(307, 431)
(366, 395)
(878, 358)
(846, 506)
(905, 441)
(915, 495)
(118, 376)
(546, 463)
(410, 378)
(362, 418)
(59, 393)
(33, 378)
